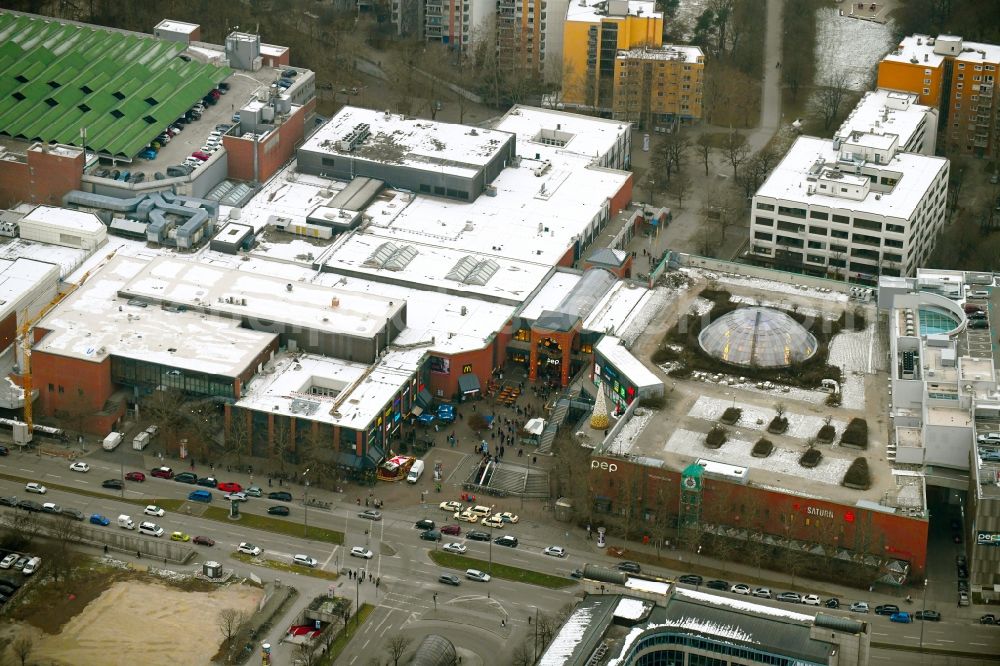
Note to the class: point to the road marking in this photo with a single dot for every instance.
(875, 633)
(944, 640)
(330, 557)
(979, 644)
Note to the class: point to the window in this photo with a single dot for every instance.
(819, 215)
(51, 388)
(62, 390)
(927, 91)
(837, 233)
(842, 219)
(895, 228)
(764, 221)
(816, 245)
(819, 231)
(765, 206)
(889, 242)
(762, 235)
(870, 225)
(792, 212)
(791, 226)
(815, 258)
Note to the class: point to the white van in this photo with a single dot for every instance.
(125, 522)
(140, 441)
(112, 441)
(152, 529)
(415, 472)
(32, 566)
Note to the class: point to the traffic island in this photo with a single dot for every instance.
(285, 566)
(503, 571)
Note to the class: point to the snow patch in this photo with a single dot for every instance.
(630, 432)
(802, 426)
(567, 639)
(744, 606)
(631, 609)
(850, 46)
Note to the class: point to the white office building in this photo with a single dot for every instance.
(853, 207)
(888, 112)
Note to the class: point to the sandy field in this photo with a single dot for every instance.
(148, 623)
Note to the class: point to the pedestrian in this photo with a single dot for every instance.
(105, 549)
(138, 555)
(503, 622)
(268, 482)
(529, 620)
(534, 459)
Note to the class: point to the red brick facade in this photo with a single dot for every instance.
(43, 177)
(274, 151)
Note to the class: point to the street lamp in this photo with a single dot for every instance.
(305, 506)
(534, 652)
(123, 478)
(923, 605)
(357, 599)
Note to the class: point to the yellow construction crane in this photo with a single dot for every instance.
(24, 337)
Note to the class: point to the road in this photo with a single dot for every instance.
(470, 614)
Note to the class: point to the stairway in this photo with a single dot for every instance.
(536, 484)
(552, 427)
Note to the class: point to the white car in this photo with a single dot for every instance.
(35, 488)
(80, 466)
(761, 592)
(362, 552)
(811, 600)
(476, 574)
(454, 507)
(740, 588)
(235, 497)
(555, 551)
(249, 549)
(305, 561)
(153, 510)
(454, 548)
(9, 561)
(466, 516)
(493, 521)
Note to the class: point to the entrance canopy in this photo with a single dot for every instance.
(468, 383)
(535, 426)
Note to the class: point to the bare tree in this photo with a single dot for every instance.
(305, 655)
(708, 240)
(22, 528)
(679, 187)
(736, 150)
(831, 96)
(755, 170)
(396, 646)
(675, 146)
(522, 655)
(164, 406)
(238, 438)
(23, 645)
(66, 531)
(231, 622)
(704, 148)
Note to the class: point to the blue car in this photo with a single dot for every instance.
(98, 519)
(200, 496)
(446, 413)
(426, 418)
(904, 618)
(148, 154)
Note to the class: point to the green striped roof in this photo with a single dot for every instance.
(124, 89)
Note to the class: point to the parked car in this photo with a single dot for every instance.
(506, 540)
(153, 510)
(51, 507)
(476, 574)
(761, 592)
(424, 524)
(304, 561)
(451, 506)
(8, 501)
(963, 598)
(113, 484)
(832, 602)
(790, 597)
(203, 541)
(29, 505)
(456, 548)
(249, 549)
(21, 562)
(451, 530)
(362, 552)
(79, 466)
(208, 482)
(466, 516)
(75, 514)
(690, 579)
(200, 155)
(629, 567)
(493, 522)
(179, 536)
(369, 514)
(477, 536)
(8, 561)
(811, 600)
(989, 618)
(254, 491)
(281, 496)
(98, 519)
(886, 609)
(230, 487)
(33, 487)
(278, 510)
(859, 607)
(430, 535)
(979, 323)
(449, 579)
(135, 476)
(555, 551)
(31, 566)
(507, 517)
(929, 615)
(163, 473)
(717, 585)
(4, 451)
(235, 497)
(187, 477)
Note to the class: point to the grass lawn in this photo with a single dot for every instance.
(275, 525)
(286, 566)
(100, 494)
(505, 571)
(345, 635)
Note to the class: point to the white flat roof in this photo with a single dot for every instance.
(618, 308)
(551, 294)
(980, 52)
(512, 281)
(273, 49)
(397, 139)
(67, 258)
(288, 194)
(65, 218)
(93, 322)
(19, 277)
(910, 51)
(364, 390)
(594, 11)
(610, 348)
(788, 180)
(434, 315)
(177, 26)
(587, 136)
(241, 294)
(873, 116)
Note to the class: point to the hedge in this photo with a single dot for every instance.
(856, 433)
(762, 448)
(858, 476)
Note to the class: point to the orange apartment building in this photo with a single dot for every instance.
(655, 87)
(956, 77)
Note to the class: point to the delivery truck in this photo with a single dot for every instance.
(415, 472)
(140, 441)
(125, 522)
(112, 441)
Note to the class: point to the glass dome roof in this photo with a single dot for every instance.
(757, 337)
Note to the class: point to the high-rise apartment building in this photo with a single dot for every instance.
(593, 34)
(656, 87)
(958, 78)
(450, 22)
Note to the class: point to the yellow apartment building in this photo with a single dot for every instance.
(656, 87)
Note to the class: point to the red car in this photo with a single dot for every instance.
(199, 155)
(451, 530)
(230, 487)
(203, 541)
(163, 473)
(135, 476)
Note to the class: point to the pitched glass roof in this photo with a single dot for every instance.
(757, 337)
